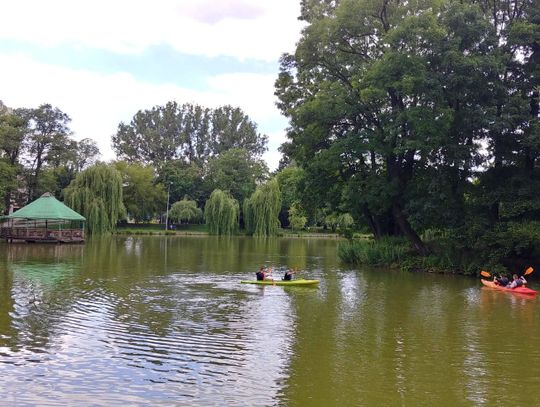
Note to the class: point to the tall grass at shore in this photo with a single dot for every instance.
(382, 252)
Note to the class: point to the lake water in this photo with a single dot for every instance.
(163, 321)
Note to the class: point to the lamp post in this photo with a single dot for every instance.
(167, 214)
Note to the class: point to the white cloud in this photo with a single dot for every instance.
(238, 28)
(97, 102)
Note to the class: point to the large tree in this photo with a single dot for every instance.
(389, 103)
(187, 132)
(47, 138)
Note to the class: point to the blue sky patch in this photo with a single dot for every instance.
(159, 64)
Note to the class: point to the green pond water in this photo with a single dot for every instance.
(163, 321)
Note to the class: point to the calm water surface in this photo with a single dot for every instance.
(164, 321)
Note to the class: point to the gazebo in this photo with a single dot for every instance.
(44, 220)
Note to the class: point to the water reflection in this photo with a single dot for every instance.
(146, 313)
(163, 321)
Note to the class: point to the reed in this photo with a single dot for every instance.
(382, 252)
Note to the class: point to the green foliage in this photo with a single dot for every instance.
(261, 210)
(189, 133)
(185, 211)
(184, 179)
(221, 213)
(339, 221)
(509, 241)
(290, 181)
(297, 218)
(7, 182)
(235, 171)
(96, 193)
(142, 197)
(47, 141)
(392, 106)
(388, 251)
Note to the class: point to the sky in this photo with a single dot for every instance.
(102, 61)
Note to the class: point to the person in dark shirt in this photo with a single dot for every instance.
(288, 276)
(502, 280)
(262, 274)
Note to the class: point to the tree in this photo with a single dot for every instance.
(48, 132)
(7, 184)
(221, 213)
(13, 128)
(261, 210)
(190, 133)
(290, 180)
(184, 179)
(12, 135)
(87, 153)
(297, 217)
(185, 210)
(338, 221)
(235, 171)
(96, 193)
(142, 196)
(380, 95)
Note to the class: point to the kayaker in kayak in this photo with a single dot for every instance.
(262, 274)
(517, 281)
(288, 275)
(501, 280)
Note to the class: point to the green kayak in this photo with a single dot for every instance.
(281, 282)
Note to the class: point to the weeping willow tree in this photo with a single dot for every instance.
(185, 210)
(261, 210)
(221, 213)
(96, 193)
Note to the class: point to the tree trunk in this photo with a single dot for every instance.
(408, 231)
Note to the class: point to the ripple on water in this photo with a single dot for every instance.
(179, 338)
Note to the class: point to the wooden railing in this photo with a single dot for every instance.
(33, 234)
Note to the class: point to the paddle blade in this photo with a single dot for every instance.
(485, 273)
(528, 271)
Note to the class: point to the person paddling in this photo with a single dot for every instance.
(501, 280)
(262, 274)
(517, 281)
(288, 276)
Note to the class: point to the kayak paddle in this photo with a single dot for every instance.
(487, 274)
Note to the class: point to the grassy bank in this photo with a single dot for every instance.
(182, 230)
(397, 253)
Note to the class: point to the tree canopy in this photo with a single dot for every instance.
(235, 171)
(187, 132)
(185, 211)
(221, 213)
(143, 197)
(37, 146)
(395, 107)
(261, 210)
(96, 193)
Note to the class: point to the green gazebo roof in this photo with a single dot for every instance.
(46, 207)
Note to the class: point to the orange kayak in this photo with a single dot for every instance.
(520, 290)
